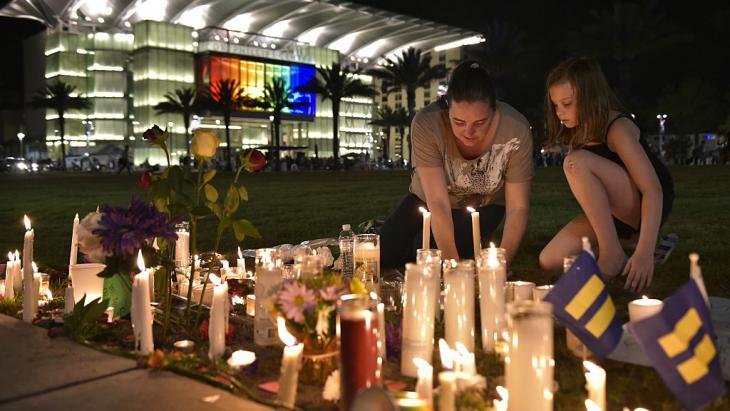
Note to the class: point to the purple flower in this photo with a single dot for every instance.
(294, 298)
(123, 231)
(393, 339)
(330, 293)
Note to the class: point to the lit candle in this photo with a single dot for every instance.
(492, 274)
(381, 330)
(140, 310)
(644, 307)
(218, 322)
(467, 360)
(110, 315)
(184, 345)
(459, 302)
(251, 305)
(695, 273)
(592, 406)
(476, 235)
(529, 363)
(268, 280)
(501, 404)
(29, 305)
(447, 379)
(182, 246)
(540, 292)
(240, 263)
(367, 261)
(290, 362)
(586, 244)
(10, 277)
(596, 384)
(241, 358)
(74, 241)
(424, 385)
(519, 290)
(18, 274)
(420, 296)
(426, 239)
(68, 300)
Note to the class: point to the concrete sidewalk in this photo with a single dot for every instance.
(40, 373)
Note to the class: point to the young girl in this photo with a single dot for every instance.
(625, 192)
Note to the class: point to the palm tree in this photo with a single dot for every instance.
(401, 120)
(60, 96)
(384, 118)
(182, 101)
(227, 96)
(411, 70)
(277, 97)
(335, 83)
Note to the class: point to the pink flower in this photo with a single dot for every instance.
(294, 298)
(329, 293)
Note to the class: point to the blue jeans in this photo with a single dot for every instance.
(402, 232)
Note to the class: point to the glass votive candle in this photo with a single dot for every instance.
(251, 305)
(184, 345)
(540, 292)
(308, 266)
(241, 358)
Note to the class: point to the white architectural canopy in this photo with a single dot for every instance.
(357, 31)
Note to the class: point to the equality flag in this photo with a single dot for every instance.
(582, 303)
(680, 343)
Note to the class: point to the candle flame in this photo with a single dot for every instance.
(373, 295)
(592, 406)
(238, 300)
(284, 334)
(643, 297)
(10, 256)
(196, 258)
(35, 267)
(492, 260)
(420, 362)
(471, 209)
(76, 217)
(491, 245)
(26, 220)
(140, 261)
(503, 393)
(17, 255)
(240, 255)
(214, 279)
(592, 367)
(423, 210)
(447, 360)
(461, 349)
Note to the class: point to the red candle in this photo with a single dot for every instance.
(359, 356)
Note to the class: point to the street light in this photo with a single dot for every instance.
(21, 136)
(662, 118)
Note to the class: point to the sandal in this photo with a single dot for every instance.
(664, 248)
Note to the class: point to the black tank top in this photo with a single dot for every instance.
(662, 172)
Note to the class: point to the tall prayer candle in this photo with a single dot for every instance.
(358, 338)
(68, 300)
(476, 234)
(28, 294)
(240, 264)
(447, 391)
(74, 241)
(596, 384)
(182, 244)
(290, 363)
(459, 302)
(140, 311)
(644, 307)
(420, 296)
(432, 258)
(424, 385)
(492, 274)
(218, 323)
(10, 277)
(426, 239)
(529, 362)
(268, 281)
(367, 261)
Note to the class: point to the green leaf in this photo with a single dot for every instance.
(232, 200)
(223, 224)
(243, 228)
(216, 209)
(200, 211)
(243, 193)
(118, 291)
(95, 309)
(208, 176)
(161, 204)
(211, 193)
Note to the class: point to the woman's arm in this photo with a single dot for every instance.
(433, 182)
(623, 138)
(517, 204)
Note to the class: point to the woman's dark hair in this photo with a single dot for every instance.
(469, 81)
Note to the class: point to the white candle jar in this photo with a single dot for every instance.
(268, 281)
(459, 302)
(529, 363)
(182, 244)
(367, 261)
(308, 266)
(419, 315)
(492, 274)
(432, 258)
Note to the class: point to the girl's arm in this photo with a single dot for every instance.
(433, 181)
(623, 138)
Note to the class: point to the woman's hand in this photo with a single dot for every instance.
(639, 271)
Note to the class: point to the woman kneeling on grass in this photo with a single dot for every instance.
(625, 191)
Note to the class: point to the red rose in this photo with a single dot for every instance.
(145, 181)
(256, 160)
(152, 132)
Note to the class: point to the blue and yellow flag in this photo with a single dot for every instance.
(680, 343)
(581, 301)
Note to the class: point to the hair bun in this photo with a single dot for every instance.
(474, 65)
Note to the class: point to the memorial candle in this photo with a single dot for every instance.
(17, 274)
(218, 323)
(459, 302)
(424, 385)
(10, 277)
(140, 310)
(476, 234)
(426, 239)
(492, 274)
(182, 244)
(74, 241)
(28, 294)
(447, 379)
(240, 264)
(268, 281)
(290, 363)
(596, 384)
(644, 307)
(420, 297)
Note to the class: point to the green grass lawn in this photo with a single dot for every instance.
(289, 208)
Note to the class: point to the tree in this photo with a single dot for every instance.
(401, 120)
(411, 70)
(226, 96)
(60, 96)
(183, 101)
(384, 118)
(277, 98)
(335, 83)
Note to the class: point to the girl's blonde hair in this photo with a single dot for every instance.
(593, 98)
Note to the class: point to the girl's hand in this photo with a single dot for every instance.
(639, 270)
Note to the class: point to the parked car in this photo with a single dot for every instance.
(17, 165)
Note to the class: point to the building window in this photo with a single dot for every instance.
(442, 56)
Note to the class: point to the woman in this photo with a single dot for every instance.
(468, 150)
(625, 192)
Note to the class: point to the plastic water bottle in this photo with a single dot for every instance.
(347, 244)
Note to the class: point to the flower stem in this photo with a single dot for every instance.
(194, 239)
